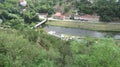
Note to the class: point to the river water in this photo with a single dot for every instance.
(81, 32)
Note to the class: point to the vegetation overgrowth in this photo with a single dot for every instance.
(30, 48)
(108, 10)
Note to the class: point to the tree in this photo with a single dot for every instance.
(95, 52)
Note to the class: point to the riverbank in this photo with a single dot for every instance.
(86, 25)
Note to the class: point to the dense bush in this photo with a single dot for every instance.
(108, 10)
(95, 53)
(10, 10)
(32, 49)
(19, 51)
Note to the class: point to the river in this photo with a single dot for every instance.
(81, 32)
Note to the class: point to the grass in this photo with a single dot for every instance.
(86, 25)
(118, 42)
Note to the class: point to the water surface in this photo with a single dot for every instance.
(81, 32)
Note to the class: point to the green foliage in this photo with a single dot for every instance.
(31, 35)
(11, 10)
(105, 18)
(95, 53)
(108, 11)
(16, 24)
(84, 7)
(30, 48)
(35, 49)
(17, 50)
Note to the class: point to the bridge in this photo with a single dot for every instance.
(40, 23)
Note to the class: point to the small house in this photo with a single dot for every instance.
(76, 17)
(86, 17)
(90, 17)
(58, 15)
(23, 3)
(67, 16)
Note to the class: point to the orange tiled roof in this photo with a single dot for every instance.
(58, 14)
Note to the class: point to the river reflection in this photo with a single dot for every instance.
(80, 32)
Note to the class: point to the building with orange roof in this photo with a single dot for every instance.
(58, 15)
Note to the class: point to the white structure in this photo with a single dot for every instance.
(23, 3)
(1, 20)
(37, 25)
(116, 0)
(86, 17)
